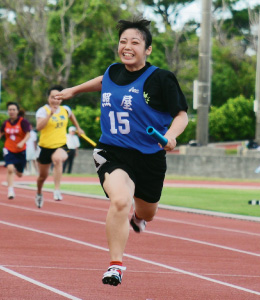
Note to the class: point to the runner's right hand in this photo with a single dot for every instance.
(65, 94)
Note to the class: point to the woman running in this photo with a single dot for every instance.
(131, 164)
(16, 131)
(52, 121)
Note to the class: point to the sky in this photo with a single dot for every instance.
(193, 11)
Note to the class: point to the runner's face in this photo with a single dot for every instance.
(12, 112)
(131, 49)
(52, 101)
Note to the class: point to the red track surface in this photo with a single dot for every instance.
(60, 252)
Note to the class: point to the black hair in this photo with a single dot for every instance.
(12, 103)
(56, 88)
(139, 24)
(21, 112)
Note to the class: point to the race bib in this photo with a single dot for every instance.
(5, 151)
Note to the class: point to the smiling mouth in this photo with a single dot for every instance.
(128, 55)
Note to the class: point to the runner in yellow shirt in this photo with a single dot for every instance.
(52, 122)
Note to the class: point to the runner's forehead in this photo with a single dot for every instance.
(132, 33)
(54, 92)
(12, 107)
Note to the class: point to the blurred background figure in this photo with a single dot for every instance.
(73, 144)
(16, 131)
(31, 153)
(52, 121)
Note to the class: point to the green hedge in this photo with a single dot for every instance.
(89, 120)
(234, 120)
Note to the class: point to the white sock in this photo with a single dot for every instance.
(10, 189)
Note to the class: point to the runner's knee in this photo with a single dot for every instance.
(42, 177)
(57, 161)
(121, 202)
(10, 169)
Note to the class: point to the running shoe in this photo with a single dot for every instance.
(39, 200)
(11, 195)
(114, 275)
(57, 195)
(138, 225)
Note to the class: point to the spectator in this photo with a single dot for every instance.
(73, 144)
(31, 153)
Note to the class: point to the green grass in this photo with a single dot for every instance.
(79, 188)
(231, 151)
(83, 175)
(178, 177)
(232, 201)
(201, 178)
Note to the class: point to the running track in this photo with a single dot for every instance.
(60, 252)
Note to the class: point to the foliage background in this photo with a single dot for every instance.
(68, 42)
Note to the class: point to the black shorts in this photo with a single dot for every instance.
(16, 159)
(147, 171)
(45, 154)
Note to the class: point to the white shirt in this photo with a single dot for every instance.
(72, 141)
(32, 139)
(42, 112)
(31, 146)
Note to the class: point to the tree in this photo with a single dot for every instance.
(49, 42)
(231, 21)
(189, 132)
(233, 72)
(169, 10)
(98, 51)
(235, 120)
(32, 23)
(89, 120)
(171, 39)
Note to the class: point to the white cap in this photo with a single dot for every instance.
(72, 128)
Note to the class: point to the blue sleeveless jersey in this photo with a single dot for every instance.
(125, 115)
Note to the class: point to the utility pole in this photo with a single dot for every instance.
(0, 86)
(204, 83)
(257, 90)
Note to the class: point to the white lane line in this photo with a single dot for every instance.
(146, 232)
(128, 270)
(162, 206)
(54, 235)
(64, 181)
(48, 190)
(56, 203)
(210, 213)
(203, 243)
(24, 184)
(168, 207)
(194, 275)
(40, 284)
(46, 212)
(206, 226)
(156, 217)
(135, 258)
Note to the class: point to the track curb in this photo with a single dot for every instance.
(22, 185)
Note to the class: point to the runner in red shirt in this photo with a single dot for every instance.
(16, 131)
